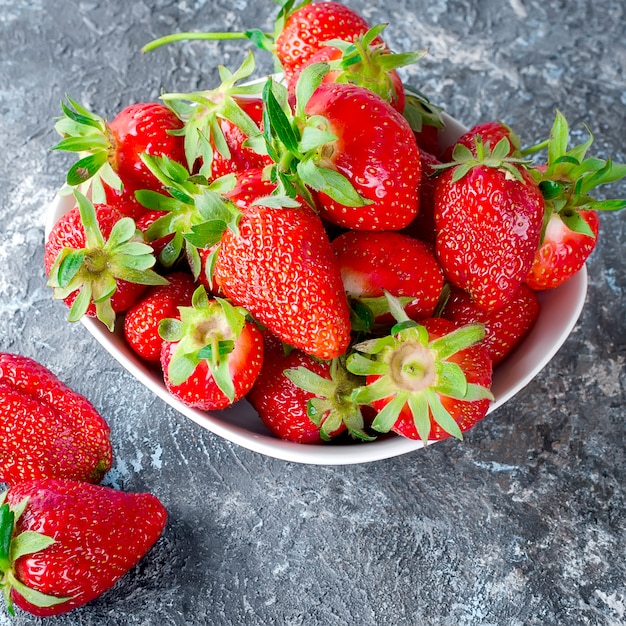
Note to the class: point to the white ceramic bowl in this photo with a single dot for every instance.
(560, 309)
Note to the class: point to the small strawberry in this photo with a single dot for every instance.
(504, 327)
(63, 543)
(490, 134)
(488, 216)
(348, 148)
(47, 430)
(141, 321)
(218, 123)
(571, 222)
(110, 152)
(279, 265)
(427, 381)
(98, 262)
(302, 399)
(372, 263)
(211, 353)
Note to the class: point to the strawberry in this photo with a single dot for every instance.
(366, 62)
(64, 542)
(348, 148)
(211, 353)
(304, 30)
(141, 322)
(489, 133)
(47, 430)
(488, 216)
(279, 264)
(97, 261)
(374, 262)
(571, 221)
(424, 118)
(504, 327)
(218, 122)
(426, 381)
(110, 151)
(302, 399)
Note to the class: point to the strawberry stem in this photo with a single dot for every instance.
(196, 36)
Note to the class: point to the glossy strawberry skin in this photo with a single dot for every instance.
(307, 28)
(490, 134)
(374, 262)
(281, 405)
(47, 430)
(138, 128)
(505, 327)
(562, 252)
(99, 533)
(281, 268)
(141, 322)
(476, 366)
(376, 150)
(200, 390)
(68, 232)
(488, 228)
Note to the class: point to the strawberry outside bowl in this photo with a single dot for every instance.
(560, 309)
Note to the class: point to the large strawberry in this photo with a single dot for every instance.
(279, 264)
(110, 152)
(374, 262)
(505, 327)
(47, 430)
(303, 399)
(348, 147)
(571, 222)
(488, 217)
(211, 354)
(427, 381)
(141, 321)
(63, 543)
(98, 262)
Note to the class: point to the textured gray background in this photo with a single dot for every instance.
(521, 524)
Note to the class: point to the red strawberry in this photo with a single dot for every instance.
(218, 121)
(302, 399)
(305, 30)
(424, 118)
(366, 62)
(97, 261)
(64, 542)
(488, 216)
(426, 381)
(489, 133)
(211, 353)
(504, 327)
(111, 152)
(563, 251)
(47, 430)
(571, 222)
(279, 265)
(374, 262)
(144, 222)
(141, 322)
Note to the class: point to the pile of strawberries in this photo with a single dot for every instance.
(305, 242)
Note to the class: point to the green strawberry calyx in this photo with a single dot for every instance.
(200, 113)
(301, 145)
(332, 404)
(413, 370)
(205, 331)
(94, 270)
(501, 157)
(12, 547)
(419, 111)
(88, 134)
(569, 176)
(367, 63)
